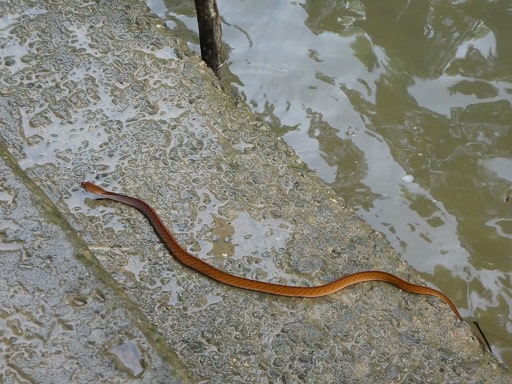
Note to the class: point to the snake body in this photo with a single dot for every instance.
(276, 289)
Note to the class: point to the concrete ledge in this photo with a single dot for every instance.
(104, 92)
(63, 318)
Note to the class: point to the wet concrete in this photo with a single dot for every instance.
(62, 317)
(103, 92)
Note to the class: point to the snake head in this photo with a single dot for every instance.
(93, 188)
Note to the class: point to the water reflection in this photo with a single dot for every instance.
(369, 91)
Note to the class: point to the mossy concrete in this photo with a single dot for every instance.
(102, 91)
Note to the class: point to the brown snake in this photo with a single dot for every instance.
(276, 289)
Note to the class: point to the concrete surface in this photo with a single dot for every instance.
(62, 318)
(102, 91)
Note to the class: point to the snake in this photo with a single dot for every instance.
(193, 262)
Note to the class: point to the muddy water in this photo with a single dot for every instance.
(404, 107)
